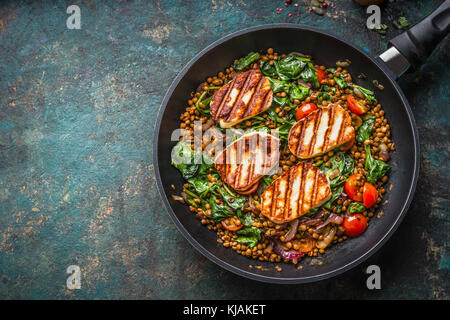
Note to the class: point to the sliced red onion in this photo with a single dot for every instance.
(291, 254)
(306, 84)
(333, 218)
(315, 220)
(293, 230)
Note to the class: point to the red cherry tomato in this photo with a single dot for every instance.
(304, 110)
(355, 106)
(232, 223)
(252, 189)
(321, 75)
(351, 188)
(354, 225)
(370, 195)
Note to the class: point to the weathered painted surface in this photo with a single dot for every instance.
(77, 112)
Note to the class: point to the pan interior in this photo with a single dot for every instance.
(326, 50)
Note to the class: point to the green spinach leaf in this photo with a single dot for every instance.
(246, 61)
(340, 82)
(356, 207)
(278, 85)
(289, 68)
(234, 201)
(267, 69)
(375, 169)
(365, 129)
(299, 92)
(219, 212)
(245, 218)
(249, 236)
(342, 165)
(370, 95)
(183, 159)
(309, 74)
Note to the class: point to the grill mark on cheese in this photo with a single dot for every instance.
(238, 100)
(247, 95)
(294, 193)
(320, 131)
(244, 162)
(316, 125)
(330, 125)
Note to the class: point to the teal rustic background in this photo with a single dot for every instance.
(77, 186)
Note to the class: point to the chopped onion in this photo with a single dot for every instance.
(315, 220)
(306, 84)
(291, 254)
(293, 230)
(333, 218)
(300, 54)
(327, 238)
(178, 198)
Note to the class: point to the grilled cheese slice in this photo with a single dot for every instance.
(247, 160)
(321, 131)
(246, 96)
(294, 193)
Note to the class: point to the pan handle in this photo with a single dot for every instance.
(412, 47)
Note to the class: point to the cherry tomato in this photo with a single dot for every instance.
(321, 75)
(304, 110)
(355, 106)
(370, 195)
(354, 225)
(348, 145)
(351, 188)
(250, 190)
(232, 223)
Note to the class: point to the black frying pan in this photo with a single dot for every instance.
(410, 48)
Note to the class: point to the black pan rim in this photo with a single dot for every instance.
(260, 277)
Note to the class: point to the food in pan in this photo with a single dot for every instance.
(247, 160)
(295, 192)
(318, 182)
(244, 97)
(321, 131)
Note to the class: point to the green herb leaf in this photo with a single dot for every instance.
(340, 82)
(267, 181)
(299, 92)
(289, 68)
(370, 96)
(375, 169)
(336, 192)
(245, 218)
(219, 212)
(267, 69)
(356, 207)
(278, 85)
(234, 201)
(341, 166)
(249, 236)
(365, 129)
(309, 74)
(183, 159)
(283, 130)
(246, 61)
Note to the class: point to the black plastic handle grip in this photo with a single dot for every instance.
(418, 43)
